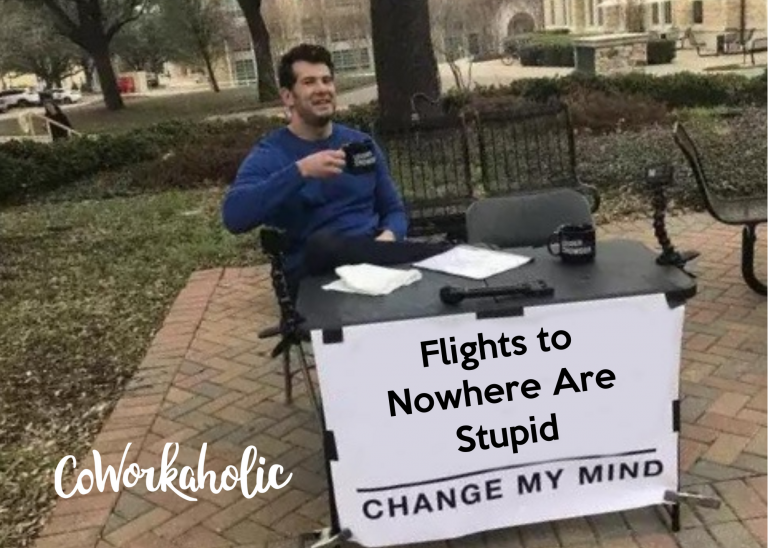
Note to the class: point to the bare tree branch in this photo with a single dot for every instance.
(67, 25)
(132, 11)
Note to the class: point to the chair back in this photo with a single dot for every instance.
(429, 159)
(524, 220)
(691, 153)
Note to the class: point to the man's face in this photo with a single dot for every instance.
(313, 97)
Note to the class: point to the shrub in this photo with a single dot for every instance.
(733, 159)
(603, 112)
(182, 154)
(29, 168)
(675, 90)
(661, 52)
(547, 55)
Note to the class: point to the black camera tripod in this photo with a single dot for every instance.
(659, 177)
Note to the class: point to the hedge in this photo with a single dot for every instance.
(661, 52)
(184, 153)
(29, 168)
(557, 51)
(547, 55)
(613, 162)
(680, 90)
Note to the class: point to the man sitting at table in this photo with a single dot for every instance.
(297, 179)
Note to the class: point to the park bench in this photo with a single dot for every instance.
(748, 211)
(443, 164)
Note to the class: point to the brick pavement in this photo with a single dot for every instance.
(208, 378)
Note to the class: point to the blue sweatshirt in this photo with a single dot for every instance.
(269, 189)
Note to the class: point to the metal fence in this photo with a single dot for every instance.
(442, 165)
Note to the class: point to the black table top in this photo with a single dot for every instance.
(622, 268)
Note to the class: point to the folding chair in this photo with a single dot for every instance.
(273, 243)
(525, 219)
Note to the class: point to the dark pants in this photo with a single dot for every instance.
(325, 252)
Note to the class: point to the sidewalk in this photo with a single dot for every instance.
(207, 378)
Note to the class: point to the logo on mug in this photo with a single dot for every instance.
(360, 157)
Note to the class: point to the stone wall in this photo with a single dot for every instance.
(620, 58)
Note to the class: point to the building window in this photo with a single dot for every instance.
(351, 59)
(552, 13)
(591, 8)
(698, 11)
(600, 19)
(668, 12)
(655, 14)
(245, 72)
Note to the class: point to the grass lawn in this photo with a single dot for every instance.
(83, 287)
(147, 110)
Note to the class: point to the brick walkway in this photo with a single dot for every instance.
(207, 378)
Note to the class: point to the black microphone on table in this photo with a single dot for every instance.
(451, 295)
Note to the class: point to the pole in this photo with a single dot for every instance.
(743, 21)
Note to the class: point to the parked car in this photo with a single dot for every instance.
(20, 97)
(66, 96)
(3, 106)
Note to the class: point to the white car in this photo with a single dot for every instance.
(19, 97)
(66, 96)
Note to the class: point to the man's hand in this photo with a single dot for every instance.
(322, 165)
(386, 236)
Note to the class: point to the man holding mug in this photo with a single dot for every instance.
(325, 184)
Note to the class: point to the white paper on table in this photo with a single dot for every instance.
(368, 279)
(473, 262)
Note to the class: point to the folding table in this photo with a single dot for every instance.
(571, 410)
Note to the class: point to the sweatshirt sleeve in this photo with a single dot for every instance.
(261, 186)
(389, 204)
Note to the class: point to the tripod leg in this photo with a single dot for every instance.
(308, 380)
(288, 377)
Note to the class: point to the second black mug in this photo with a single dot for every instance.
(574, 244)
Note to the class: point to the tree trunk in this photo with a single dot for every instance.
(107, 77)
(211, 74)
(262, 49)
(93, 38)
(404, 59)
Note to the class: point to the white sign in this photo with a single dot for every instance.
(449, 426)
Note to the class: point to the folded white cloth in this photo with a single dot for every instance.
(368, 279)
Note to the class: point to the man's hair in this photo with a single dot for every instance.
(304, 52)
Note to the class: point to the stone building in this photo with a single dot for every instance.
(343, 26)
(478, 27)
(459, 28)
(707, 19)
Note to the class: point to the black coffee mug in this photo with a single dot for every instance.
(360, 157)
(575, 243)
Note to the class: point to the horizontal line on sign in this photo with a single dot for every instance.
(501, 468)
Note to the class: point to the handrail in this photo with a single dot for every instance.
(29, 128)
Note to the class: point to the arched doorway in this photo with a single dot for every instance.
(521, 23)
